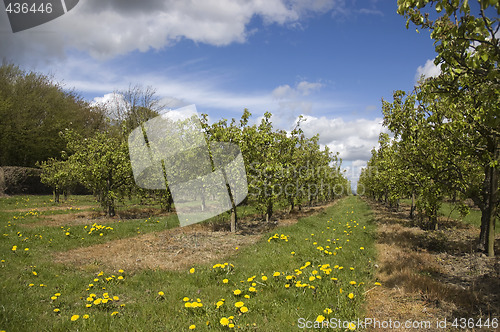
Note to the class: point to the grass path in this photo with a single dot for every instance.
(318, 269)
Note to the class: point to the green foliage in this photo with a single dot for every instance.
(446, 131)
(34, 109)
(101, 163)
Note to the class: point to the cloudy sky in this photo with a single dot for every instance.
(329, 60)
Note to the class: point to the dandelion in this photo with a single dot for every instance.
(239, 304)
(57, 294)
(116, 298)
(53, 298)
(191, 270)
(328, 311)
(224, 321)
(114, 313)
(26, 249)
(237, 292)
(361, 248)
(225, 281)
(161, 293)
(353, 282)
(320, 318)
(57, 310)
(351, 326)
(120, 278)
(14, 248)
(120, 271)
(192, 327)
(378, 284)
(244, 309)
(185, 299)
(74, 317)
(219, 304)
(276, 274)
(252, 289)
(351, 296)
(264, 278)
(31, 285)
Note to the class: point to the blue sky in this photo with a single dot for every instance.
(330, 60)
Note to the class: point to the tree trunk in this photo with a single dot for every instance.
(234, 219)
(111, 209)
(56, 195)
(489, 207)
(412, 208)
(269, 210)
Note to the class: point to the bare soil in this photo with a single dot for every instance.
(431, 275)
(178, 248)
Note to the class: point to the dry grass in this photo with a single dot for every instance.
(177, 248)
(431, 275)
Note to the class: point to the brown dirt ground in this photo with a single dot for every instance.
(431, 275)
(177, 248)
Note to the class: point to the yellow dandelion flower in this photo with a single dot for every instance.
(74, 317)
(116, 298)
(351, 326)
(320, 318)
(264, 278)
(185, 299)
(192, 327)
(187, 305)
(53, 298)
(328, 311)
(191, 270)
(97, 301)
(225, 281)
(85, 316)
(237, 292)
(31, 285)
(57, 310)
(252, 289)
(276, 274)
(239, 304)
(161, 293)
(114, 313)
(88, 305)
(351, 296)
(120, 277)
(352, 282)
(243, 309)
(224, 321)
(311, 278)
(247, 296)
(378, 284)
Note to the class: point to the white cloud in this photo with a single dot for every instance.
(428, 70)
(105, 29)
(353, 139)
(302, 88)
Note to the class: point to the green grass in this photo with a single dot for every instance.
(449, 210)
(345, 228)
